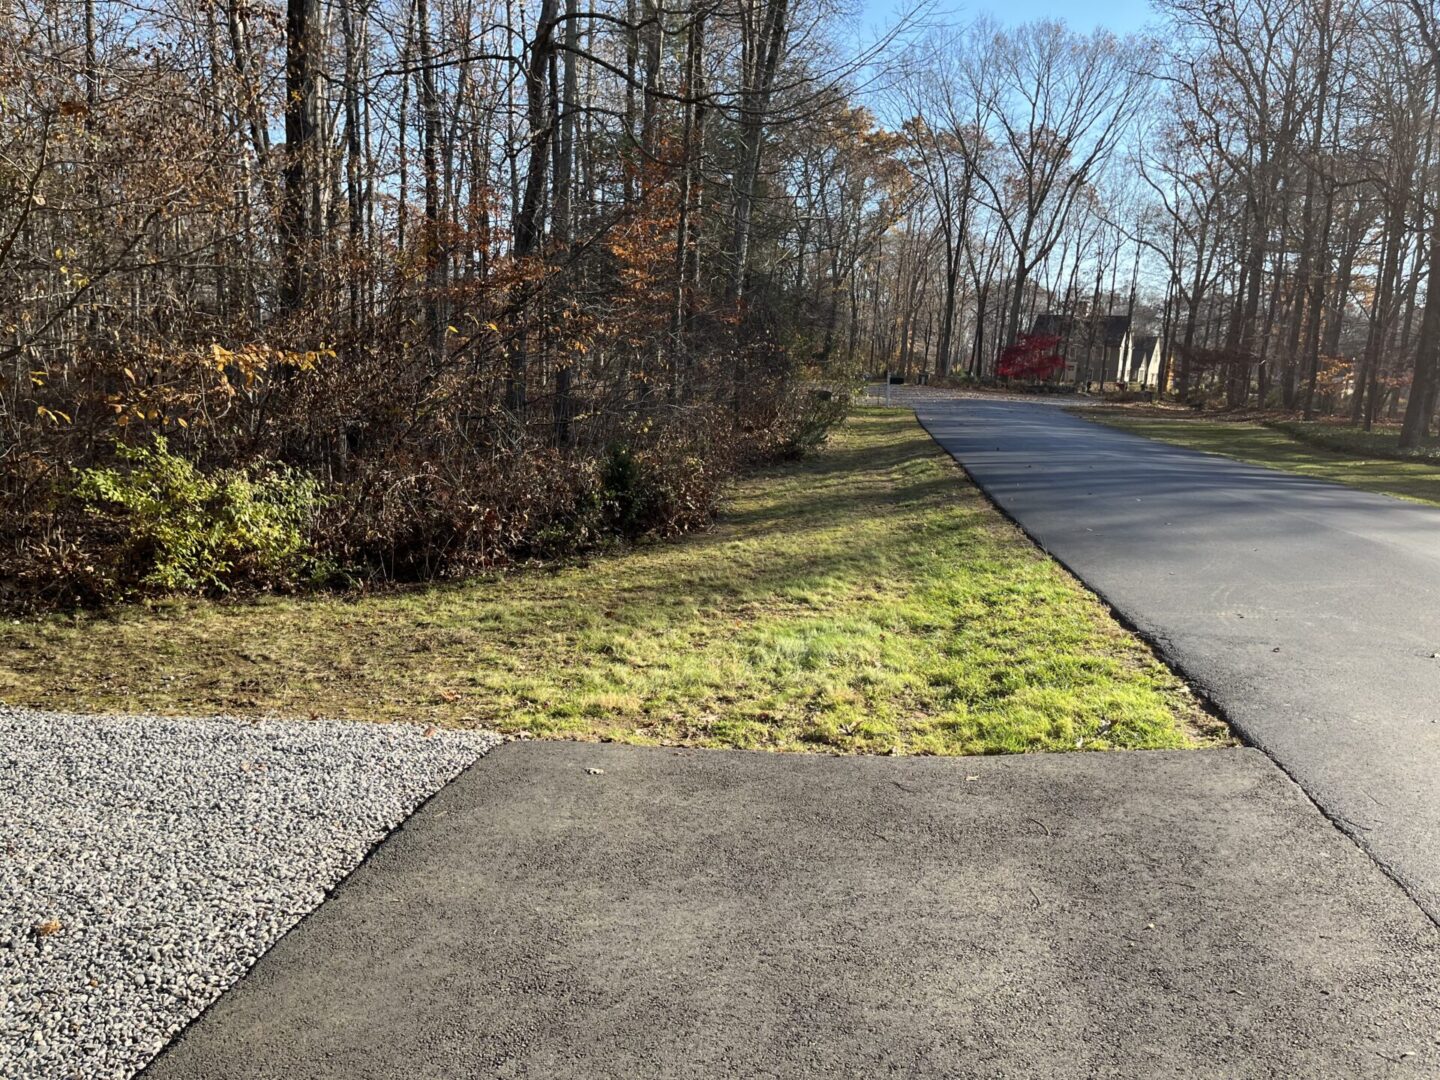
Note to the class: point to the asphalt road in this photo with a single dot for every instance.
(721, 915)
(1309, 612)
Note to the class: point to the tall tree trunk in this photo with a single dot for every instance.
(681, 288)
(564, 201)
(1416, 426)
(354, 165)
(654, 41)
(299, 210)
(1299, 309)
(529, 216)
(432, 239)
(767, 51)
(1315, 302)
(1380, 313)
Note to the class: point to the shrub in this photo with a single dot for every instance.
(814, 420)
(400, 519)
(378, 503)
(624, 491)
(183, 529)
(1127, 395)
(657, 492)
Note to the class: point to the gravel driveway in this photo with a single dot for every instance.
(147, 863)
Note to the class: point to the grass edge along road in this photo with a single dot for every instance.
(1260, 444)
(865, 599)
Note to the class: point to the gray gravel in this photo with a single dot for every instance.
(146, 863)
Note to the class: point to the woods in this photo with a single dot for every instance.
(1239, 207)
(402, 289)
(467, 282)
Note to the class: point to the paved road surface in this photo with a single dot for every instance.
(729, 916)
(1310, 612)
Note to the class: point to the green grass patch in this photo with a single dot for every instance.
(866, 599)
(1380, 442)
(1318, 450)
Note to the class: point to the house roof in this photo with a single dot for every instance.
(1050, 324)
(1110, 330)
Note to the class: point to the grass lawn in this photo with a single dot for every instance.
(1264, 445)
(1382, 441)
(866, 599)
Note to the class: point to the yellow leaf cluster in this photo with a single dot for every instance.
(251, 362)
(55, 416)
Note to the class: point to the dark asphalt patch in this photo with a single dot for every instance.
(707, 914)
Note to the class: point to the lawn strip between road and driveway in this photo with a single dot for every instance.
(867, 598)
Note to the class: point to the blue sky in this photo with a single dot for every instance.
(1121, 16)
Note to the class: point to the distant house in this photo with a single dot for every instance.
(1144, 367)
(1096, 350)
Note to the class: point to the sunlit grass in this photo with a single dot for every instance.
(1383, 441)
(1261, 444)
(866, 599)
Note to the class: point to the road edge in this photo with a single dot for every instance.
(1159, 644)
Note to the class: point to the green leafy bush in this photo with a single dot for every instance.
(184, 529)
(148, 519)
(656, 493)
